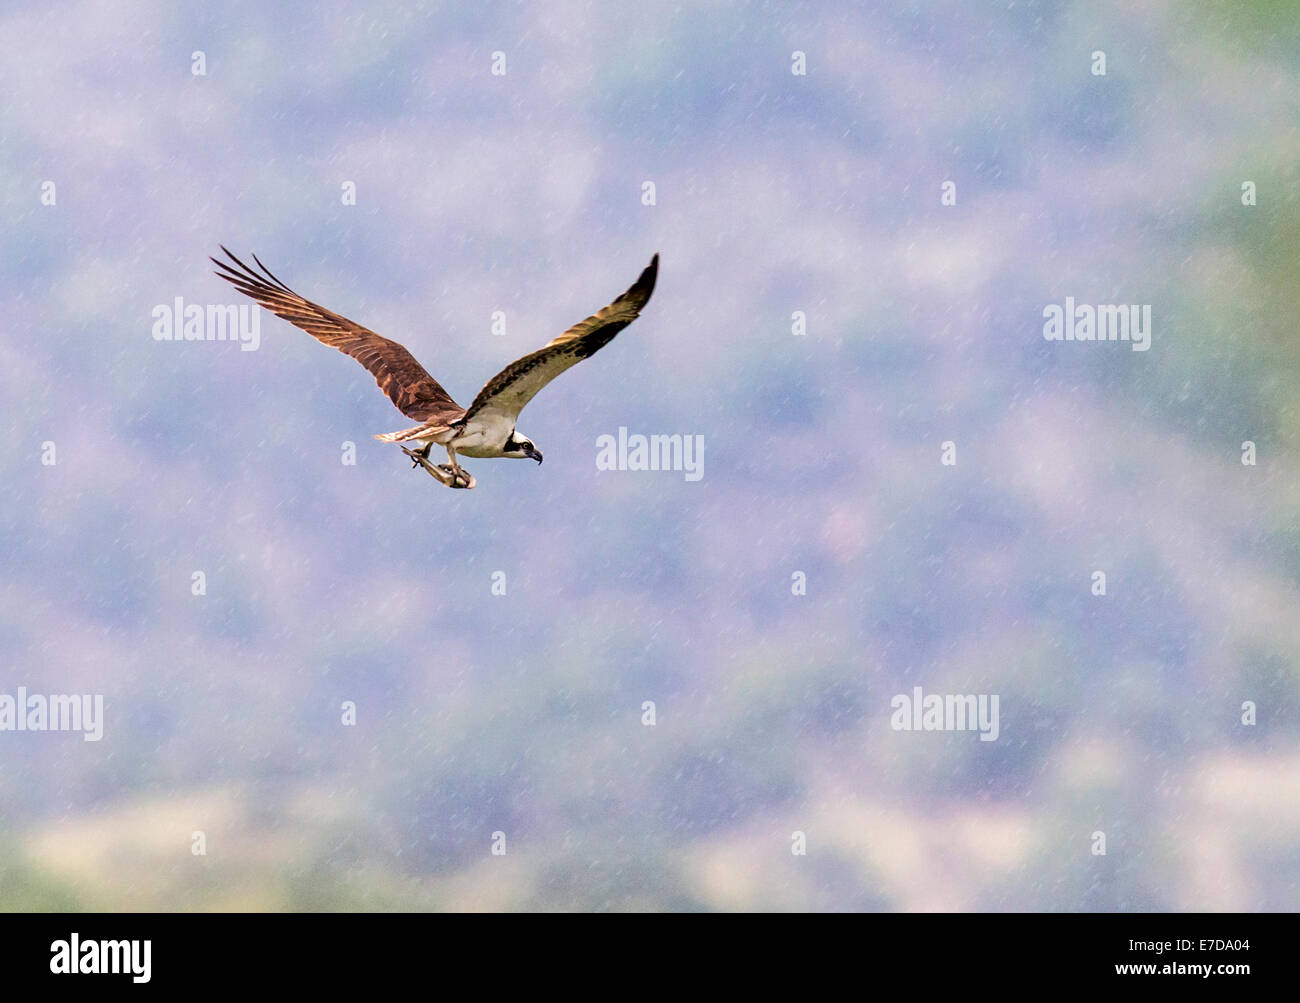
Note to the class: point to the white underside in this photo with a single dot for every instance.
(482, 438)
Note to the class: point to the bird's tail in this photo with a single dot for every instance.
(406, 434)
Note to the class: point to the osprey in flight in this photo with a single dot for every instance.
(487, 427)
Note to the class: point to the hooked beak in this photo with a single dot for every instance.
(534, 454)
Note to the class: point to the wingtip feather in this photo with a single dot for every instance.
(648, 277)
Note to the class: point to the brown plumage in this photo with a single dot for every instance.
(517, 384)
(408, 385)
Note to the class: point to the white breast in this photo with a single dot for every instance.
(485, 434)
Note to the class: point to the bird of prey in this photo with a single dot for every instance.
(487, 427)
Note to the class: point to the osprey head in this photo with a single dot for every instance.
(521, 447)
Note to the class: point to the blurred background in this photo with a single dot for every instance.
(775, 193)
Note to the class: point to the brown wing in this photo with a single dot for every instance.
(509, 390)
(416, 394)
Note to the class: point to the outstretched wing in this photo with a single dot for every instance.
(416, 394)
(509, 390)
